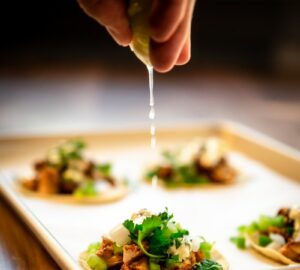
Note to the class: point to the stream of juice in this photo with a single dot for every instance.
(152, 119)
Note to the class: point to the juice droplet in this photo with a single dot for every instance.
(150, 73)
(152, 130)
(154, 181)
(152, 117)
(152, 113)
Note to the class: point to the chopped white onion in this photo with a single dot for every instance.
(120, 235)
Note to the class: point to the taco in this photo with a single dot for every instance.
(66, 175)
(199, 162)
(151, 242)
(277, 237)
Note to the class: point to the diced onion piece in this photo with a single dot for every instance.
(120, 235)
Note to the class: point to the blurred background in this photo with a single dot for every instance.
(61, 72)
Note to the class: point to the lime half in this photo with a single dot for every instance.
(139, 12)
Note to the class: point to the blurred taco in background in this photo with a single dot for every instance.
(201, 161)
(66, 173)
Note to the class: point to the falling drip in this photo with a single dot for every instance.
(150, 73)
(153, 137)
(151, 103)
(152, 129)
(154, 181)
(152, 118)
(152, 113)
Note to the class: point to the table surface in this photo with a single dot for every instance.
(60, 100)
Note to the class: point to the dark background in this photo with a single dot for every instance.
(257, 36)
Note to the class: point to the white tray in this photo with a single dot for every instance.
(272, 169)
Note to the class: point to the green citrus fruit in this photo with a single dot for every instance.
(139, 12)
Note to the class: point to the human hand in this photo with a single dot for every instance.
(170, 28)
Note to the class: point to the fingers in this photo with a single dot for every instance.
(185, 53)
(166, 17)
(170, 24)
(176, 50)
(119, 36)
(113, 15)
(164, 55)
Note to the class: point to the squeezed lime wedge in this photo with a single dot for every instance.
(139, 12)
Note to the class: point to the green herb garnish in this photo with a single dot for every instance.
(159, 237)
(155, 230)
(86, 189)
(264, 240)
(182, 174)
(60, 155)
(239, 241)
(104, 168)
(261, 227)
(159, 231)
(207, 265)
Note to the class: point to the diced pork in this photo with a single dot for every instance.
(131, 253)
(106, 250)
(30, 184)
(292, 251)
(48, 180)
(197, 256)
(114, 261)
(165, 172)
(140, 264)
(223, 173)
(40, 165)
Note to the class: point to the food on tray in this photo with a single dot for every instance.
(277, 237)
(65, 171)
(201, 161)
(151, 242)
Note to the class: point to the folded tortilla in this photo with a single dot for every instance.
(268, 252)
(215, 255)
(111, 194)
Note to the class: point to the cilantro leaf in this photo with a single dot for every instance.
(163, 238)
(207, 265)
(160, 241)
(155, 231)
(165, 216)
(148, 226)
(130, 226)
